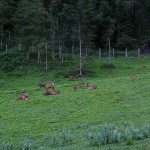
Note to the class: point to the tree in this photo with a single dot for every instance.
(31, 19)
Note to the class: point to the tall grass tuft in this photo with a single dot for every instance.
(7, 146)
(145, 130)
(66, 138)
(132, 133)
(26, 145)
(54, 140)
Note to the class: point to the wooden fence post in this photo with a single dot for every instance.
(126, 53)
(99, 53)
(113, 50)
(139, 52)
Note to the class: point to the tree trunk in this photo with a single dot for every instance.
(126, 53)
(113, 55)
(66, 57)
(60, 50)
(139, 52)
(53, 51)
(99, 53)
(80, 46)
(1, 41)
(72, 50)
(38, 53)
(20, 47)
(86, 51)
(109, 52)
(27, 55)
(6, 48)
(46, 66)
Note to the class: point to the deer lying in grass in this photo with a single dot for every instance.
(47, 86)
(52, 93)
(23, 96)
(89, 87)
(78, 86)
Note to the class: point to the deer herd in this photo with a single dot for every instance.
(24, 95)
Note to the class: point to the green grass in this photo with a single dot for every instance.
(117, 100)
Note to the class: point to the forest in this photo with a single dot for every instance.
(74, 24)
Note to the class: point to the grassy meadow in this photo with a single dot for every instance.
(64, 121)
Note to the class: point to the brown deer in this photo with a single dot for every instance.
(78, 86)
(52, 93)
(89, 87)
(47, 86)
(23, 96)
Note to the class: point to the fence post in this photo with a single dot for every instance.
(6, 48)
(126, 53)
(113, 54)
(139, 52)
(46, 63)
(99, 53)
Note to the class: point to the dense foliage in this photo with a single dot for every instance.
(64, 23)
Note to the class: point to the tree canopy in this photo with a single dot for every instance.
(125, 22)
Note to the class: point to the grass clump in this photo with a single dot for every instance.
(145, 130)
(64, 138)
(106, 135)
(109, 134)
(7, 146)
(26, 144)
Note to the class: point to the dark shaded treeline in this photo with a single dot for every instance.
(72, 23)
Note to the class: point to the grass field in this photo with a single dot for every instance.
(42, 122)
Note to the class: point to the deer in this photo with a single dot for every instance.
(23, 96)
(47, 86)
(52, 93)
(78, 86)
(89, 87)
